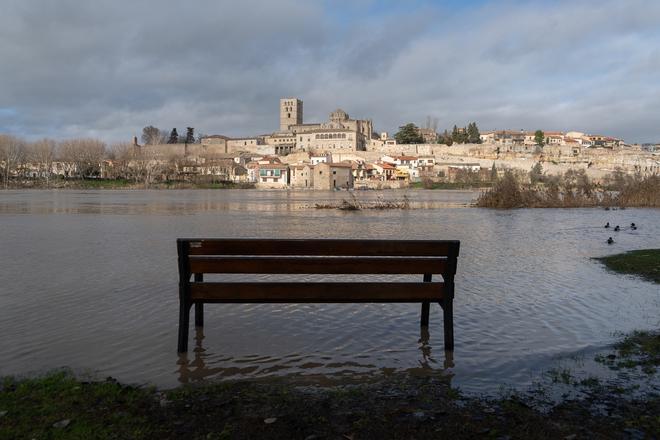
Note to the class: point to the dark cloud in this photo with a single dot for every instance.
(108, 68)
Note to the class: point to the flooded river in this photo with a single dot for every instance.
(88, 280)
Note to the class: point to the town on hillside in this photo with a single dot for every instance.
(341, 153)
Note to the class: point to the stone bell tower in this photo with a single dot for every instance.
(291, 113)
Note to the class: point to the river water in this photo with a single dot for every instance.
(88, 280)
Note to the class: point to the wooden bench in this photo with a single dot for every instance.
(347, 257)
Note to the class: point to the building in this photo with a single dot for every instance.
(429, 135)
(339, 133)
(291, 113)
(273, 175)
(333, 175)
(301, 176)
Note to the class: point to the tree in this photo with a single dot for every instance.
(190, 135)
(493, 173)
(43, 153)
(445, 138)
(458, 135)
(409, 134)
(539, 138)
(85, 154)
(473, 135)
(174, 137)
(12, 151)
(151, 135)
(536, 173)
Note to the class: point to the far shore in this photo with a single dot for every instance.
(111, 184)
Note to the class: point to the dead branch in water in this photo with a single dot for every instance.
(354, 204)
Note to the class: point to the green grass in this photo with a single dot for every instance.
(644, 262)
(33, 407)
(638, 349)
(395, 407)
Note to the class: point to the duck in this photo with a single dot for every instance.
(633, 226)
(610, 240)
(616, 228)
(607, 225)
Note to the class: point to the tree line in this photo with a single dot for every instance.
(155, 136)
(411, 134)
(83, 158)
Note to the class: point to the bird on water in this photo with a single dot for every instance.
(607, 225)
(610, 240)
(616, 228)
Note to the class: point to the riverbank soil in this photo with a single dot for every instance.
(644, 262)
(395, 407)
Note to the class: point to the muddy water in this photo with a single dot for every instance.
(88, 280)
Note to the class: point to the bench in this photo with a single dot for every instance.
(321, 257)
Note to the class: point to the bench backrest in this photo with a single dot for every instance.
(316, 256)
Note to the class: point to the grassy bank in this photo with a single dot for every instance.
(645, 263)
(58, 406)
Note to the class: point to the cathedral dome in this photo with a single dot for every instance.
(339, 115)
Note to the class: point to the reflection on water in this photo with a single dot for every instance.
(88, 279)
(190, 202)
(198, 370)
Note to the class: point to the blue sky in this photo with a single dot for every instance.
(108, 68)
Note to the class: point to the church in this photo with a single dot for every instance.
(339, 133)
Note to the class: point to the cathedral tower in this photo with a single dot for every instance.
(291, 113)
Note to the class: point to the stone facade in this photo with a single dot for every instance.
(291, 112)
(340, 133)
(301, 176)
(332, 175)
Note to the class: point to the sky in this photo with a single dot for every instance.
(108, 68)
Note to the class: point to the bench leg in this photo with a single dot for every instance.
(448, 321)
(425, 313)
(199, 307)
(184, 323)
(426, 304)
(199, 314)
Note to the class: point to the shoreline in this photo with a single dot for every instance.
(397, 406)
(59, 405)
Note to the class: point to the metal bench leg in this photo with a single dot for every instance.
(184, 323)
(448, 321)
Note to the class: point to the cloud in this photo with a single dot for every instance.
(109, 68)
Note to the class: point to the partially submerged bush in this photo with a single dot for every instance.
(571, 190)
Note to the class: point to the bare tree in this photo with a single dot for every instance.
(124, 161)
(42, 153)
(85, 154)
(12, 152)
(148, 165)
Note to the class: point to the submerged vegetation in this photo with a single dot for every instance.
(643, 262)
(639, 349)
(573, 189)
(354, 204)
